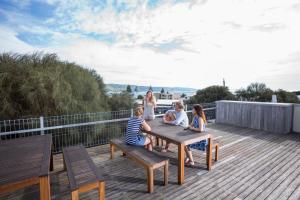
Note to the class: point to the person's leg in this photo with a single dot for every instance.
(166, 148)
(190, 156)
(148, 143)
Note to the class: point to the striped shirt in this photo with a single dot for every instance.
(133, 130)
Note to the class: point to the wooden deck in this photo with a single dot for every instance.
(252, 165)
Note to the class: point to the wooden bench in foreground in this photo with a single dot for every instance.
(82, 173)
(140, 155)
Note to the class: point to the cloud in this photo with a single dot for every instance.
(269, 27)
(172, 43)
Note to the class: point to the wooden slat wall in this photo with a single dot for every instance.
(272, 117)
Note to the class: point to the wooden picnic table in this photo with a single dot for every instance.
(177, 135)
(24, 162)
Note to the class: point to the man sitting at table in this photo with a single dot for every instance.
(181, 119)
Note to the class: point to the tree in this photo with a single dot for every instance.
(211, 94)
(255, 92)
(128, 89)
(140, 97)
(162, 91)
(286, 97)
(136, 89)
(183, 95)
(122, 101)
(39, 84)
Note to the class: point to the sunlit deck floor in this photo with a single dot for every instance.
(253, 165)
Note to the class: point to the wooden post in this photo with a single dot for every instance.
(44, 188)
(150, 179)
(209, 154)
(217, 152)
(180, 164)
(112, 151)
(75, 195)
(166, 173)
(101, 190)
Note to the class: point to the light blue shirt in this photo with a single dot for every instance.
(181, 118)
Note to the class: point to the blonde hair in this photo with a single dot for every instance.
(138, 111)
(152, 99)
(179, 104)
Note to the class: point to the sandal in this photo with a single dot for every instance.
(187, 160)
(190, 164)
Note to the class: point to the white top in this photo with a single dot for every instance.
(149, 110)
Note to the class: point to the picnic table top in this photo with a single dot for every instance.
(175, 134)
(24, 158)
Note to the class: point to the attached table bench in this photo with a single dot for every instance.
(141, 156)
(82, 173)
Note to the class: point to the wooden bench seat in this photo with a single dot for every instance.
(149, 160)
(82, 173)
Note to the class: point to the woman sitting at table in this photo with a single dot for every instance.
(198, 125)
(180, 119)
(133, 134)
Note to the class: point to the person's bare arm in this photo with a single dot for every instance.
(146, 126)
(200, 125)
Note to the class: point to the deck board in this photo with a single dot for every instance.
(253, 165)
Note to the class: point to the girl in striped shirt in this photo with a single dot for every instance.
(133, 134)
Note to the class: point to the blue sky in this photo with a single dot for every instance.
(192, 43)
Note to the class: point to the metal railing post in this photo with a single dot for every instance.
(131, 112)
(42, 125)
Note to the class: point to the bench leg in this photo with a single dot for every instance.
(75, 195)
(150, 179)
(166, 173)
(101, 190)
(157, 141)
(217, 152)
(112, 151)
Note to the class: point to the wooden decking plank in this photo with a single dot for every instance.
(247, 177)
(271, 176)
(222, 177)
(219, 175)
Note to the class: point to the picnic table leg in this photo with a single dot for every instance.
(209, 154)
(180, 164)
(44, 188)
(101, 190)
(112, 151)
(51, 162)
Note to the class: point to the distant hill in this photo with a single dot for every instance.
(116, 88)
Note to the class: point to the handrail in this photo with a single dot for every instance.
(42, 129)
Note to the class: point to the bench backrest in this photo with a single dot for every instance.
(80, 167)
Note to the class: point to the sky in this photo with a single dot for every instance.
(188, 43)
